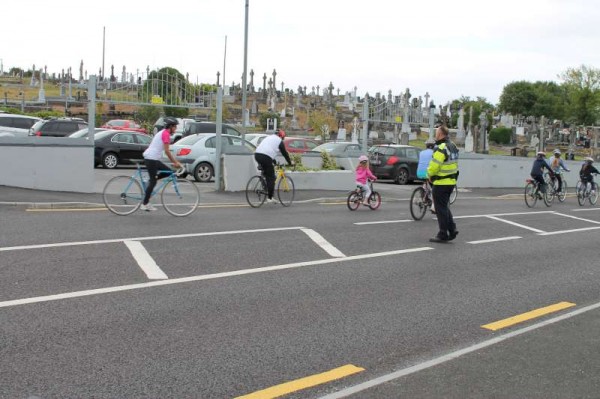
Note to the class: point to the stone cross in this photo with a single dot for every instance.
(218, 77)
(252, 80)
(427, 99)
(124, 75)
(274, 77)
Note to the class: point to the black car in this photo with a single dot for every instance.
(116, 147)
(397, 162)
(57, 127)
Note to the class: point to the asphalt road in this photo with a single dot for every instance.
(311, 301)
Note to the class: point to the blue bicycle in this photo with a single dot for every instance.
(123, 195)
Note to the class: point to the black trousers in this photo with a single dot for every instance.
(266, 163)
(441, 199)
(153, 167)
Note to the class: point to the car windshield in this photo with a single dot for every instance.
(328, 147)
(103, 134)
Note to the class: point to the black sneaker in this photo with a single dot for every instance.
(453, 235)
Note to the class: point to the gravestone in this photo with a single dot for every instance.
(469, 141)
(534, 142)
(254, 107)
(460, 133)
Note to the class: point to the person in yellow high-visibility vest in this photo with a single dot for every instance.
(443, 172)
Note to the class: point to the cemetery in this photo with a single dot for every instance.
(324, 113)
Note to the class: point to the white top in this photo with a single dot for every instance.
(269, 146)
(157, 146)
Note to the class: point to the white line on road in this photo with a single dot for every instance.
(114, 240)
(384, 222)
(575, 217)
(77, 294)
(585, 209)
(516, 224)
(453, 355)
(323, 243)
(501, 214)
(494, 240)
(551, 233)
(145, 261)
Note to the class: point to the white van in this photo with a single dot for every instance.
(18, 125)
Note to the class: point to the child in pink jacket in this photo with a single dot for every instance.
(362, 174)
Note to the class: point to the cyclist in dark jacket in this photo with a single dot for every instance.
(585, 174)
(537, 170)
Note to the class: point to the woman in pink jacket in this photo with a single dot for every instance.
(362, 174)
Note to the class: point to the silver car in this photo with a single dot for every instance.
(197, 152)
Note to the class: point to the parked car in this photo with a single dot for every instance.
(83, 132)
(299, 145)
(116, 147)
(197, 152)
(340, 148)
(18, 125)
(394, 161)
(57, 127)
(124, 124)
(209, 127)
(256, 138)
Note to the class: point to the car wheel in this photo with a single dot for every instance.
(110, 160)
(203, 172)
(401, 176)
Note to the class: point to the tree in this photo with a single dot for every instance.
(550, 100)
(518, 98)
(172, 88)
(582, 86)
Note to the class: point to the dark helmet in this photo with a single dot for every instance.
(429, 143)
(281, 133)
(169, 121)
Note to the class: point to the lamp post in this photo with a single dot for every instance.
(245, 70)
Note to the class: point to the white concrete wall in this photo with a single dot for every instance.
(47, 163)
(238, 169)
(488, 171)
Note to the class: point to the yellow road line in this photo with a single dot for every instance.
(303, 383)
(497, 325)
(67, 210)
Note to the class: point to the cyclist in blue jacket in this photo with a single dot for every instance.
(537, 170)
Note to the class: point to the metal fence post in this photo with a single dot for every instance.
(91, 95)
(218, 138)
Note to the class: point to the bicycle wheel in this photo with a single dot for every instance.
(180, 197)
(256, 191)
(530, 195)
(594, 194)
(418, 205)
(453, 195)
(353, 200)
(286, 191)
(122, 195)
(548, 196)
(580, 193)
(562, 195)
(374, 200)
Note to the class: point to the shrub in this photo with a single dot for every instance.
(269, 115)
(501, 135)
(328, 161)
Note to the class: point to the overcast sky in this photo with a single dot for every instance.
(447, 48)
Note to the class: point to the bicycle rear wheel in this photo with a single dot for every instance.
(374, 200)
(353, 201)
(530, 195)
(453, 195)
(122, 195)
(180, 197)
(418, 204)
(594, 194)
(286, 191)
(256, 191)
(548, 196)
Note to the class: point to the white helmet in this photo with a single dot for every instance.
(589, 159)
(557, 152)
(541, 154)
